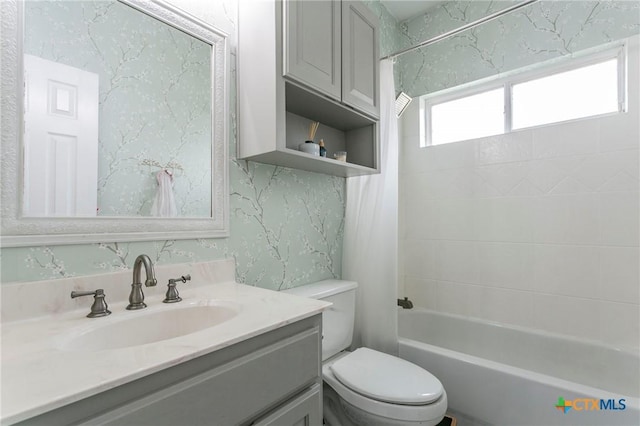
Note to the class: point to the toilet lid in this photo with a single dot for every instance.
(386, 378)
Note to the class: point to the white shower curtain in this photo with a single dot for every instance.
(370, 248)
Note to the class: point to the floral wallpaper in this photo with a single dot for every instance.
(541, 31)
(154, 91)
(286, 225)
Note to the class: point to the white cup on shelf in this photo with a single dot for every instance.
(340, 156)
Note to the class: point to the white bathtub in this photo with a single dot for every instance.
(513, 376)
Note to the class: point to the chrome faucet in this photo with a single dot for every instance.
(136, 298)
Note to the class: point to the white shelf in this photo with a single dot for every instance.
(300, 160)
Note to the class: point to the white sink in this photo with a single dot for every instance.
(141, 328)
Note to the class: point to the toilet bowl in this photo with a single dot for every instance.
(367, 387)
(379, 389)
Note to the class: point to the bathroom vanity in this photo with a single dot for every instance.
(258, 363)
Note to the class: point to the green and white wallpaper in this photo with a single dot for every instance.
(542, 31)
(286, 225)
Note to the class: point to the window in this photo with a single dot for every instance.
(480, 114)
(585, 87)
(582, 92)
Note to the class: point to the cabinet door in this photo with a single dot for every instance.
(305, 410)
(360, 61)
(312, 44)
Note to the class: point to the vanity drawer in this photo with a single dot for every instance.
(232, 393)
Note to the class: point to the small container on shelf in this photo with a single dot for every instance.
(340, 156)
(310, 147)
(323, 151)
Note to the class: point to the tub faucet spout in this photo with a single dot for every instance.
(406, 303)
(136, 297)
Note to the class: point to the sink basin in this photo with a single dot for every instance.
(141, 328)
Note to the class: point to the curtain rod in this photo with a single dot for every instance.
(462, 28)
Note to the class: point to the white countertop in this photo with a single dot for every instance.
(38, 376)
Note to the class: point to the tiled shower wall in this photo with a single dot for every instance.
(537, 228)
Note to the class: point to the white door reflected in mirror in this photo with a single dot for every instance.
(60, 140)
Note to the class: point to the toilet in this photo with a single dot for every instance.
(367, 387)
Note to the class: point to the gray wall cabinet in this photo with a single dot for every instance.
(313, 45)
(332, 47)
(271, 379)
(360, 58)
(292, 62)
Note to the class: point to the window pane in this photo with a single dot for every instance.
(578, 93)
(468, 118)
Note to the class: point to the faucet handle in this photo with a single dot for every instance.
(172, 295)
(99, 307)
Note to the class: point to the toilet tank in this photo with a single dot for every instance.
(337, 320)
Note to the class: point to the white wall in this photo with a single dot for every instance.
(537, 228)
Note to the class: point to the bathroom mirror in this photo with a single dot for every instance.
(121, 131)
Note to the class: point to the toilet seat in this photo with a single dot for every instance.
(387, 378)
(409, 413)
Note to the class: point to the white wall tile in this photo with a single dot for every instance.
(413, 158)
(572, 219)
(619, 274)
(460, 182)
(421, 185)
(619, 132)
(567, 270)
(421, 292)
(420, 259)
(452, 298)
(512, 147)
(619, 324)
(506, 265)
(441, 184)
(509, 306)
(569, 185)
(620, 216)
(599, 169)
(504, 177)
(421, 217)
(503, 219)
(545, 174)
(525, 189)
(477, 303)
(409, 122)
(455, 219)
(456, 261)
(402, 289)
(623, 181)
(570, 316)
(455, 155)
(571, 138)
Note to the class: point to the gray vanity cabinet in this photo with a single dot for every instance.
(272, 379)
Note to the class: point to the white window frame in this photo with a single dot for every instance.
(617, 50)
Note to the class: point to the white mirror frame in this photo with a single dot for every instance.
(18, 231)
